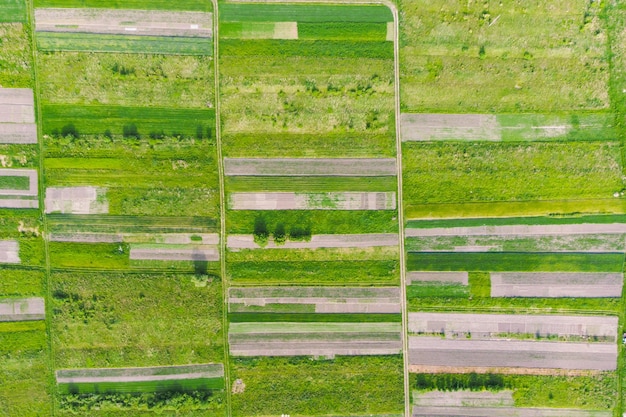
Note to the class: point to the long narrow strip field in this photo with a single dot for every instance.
(198, 5)
(13, 11)
(505, 412)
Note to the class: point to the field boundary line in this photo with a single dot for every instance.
(220, 171)
(30, 7)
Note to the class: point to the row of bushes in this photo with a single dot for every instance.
(130, 131)
(280, 234)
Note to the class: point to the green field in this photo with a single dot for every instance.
(120, 320)
(326, 273)
(182, 385)
(233, 12)
(86, 42)
(130, 122)
(297, 317)
(15, 56)
(307, 48)
(13, 11)
(503, 261)
(574, 218)
(497, 57)
(312, 184)
(126, 79)
(94, 223)
(343, 386)
(25, 226)
(14, 183)
(20, 282)
(198, 5)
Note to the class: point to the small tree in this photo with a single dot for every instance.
(261, 234)
(280, 234)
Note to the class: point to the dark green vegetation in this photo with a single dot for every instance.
(17, 281)
(292, 317)
(198, 5)
(345, 385)
(184, 385)
(25, 370)
(14, 183)
(343, 31)
(15, 55)
(129, 122)
(233, 12)
(306, 48)
(503, 261)
(589, 392)
(58, 41)
(574, 218)
(143, 319)
(13, 11)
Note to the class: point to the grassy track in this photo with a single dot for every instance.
(307, 48)
(65, 223)
(94, 119)
(312, 318)
(13, 11)
(312, 184)
(197, 5)
(373, 32)
(183, 385)
(343, 386)
(233, 12)
(327, 273)
(502, 261)
(85, 42)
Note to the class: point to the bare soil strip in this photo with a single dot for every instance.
(125, 22)
(431, 127)
(325, 294)
(435, 351)
(9, 252)
(17, 96)
(424, 369)
(285, 30)
(17, 113)
(305, 167)
(19, 203)
(314, 201)
(165, 238)
(22, 309)
(156, 373)
(556, 284)
(76, 200)
(32, 181)
(491, 325)
(19, 133)
(312, 348)
(236, 242)
(426, 411)
(182, 253)
(463, 399)
(521, 230)
(443, 276)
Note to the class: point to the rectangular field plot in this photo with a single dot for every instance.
(233, 12)
(505, 261)
(132, 380)
(13, 11)
(341, 167)
(419, 411)
(442, 355)
(450, 56)
(463, 398)
(22, 309)
(17, 105)
(521, 230)
(163, 252)
(452, 277)
(357, 386)
(468, 174)
(21, 133)
(15, 54)
(76, 200)
(193, 5)
(18, 188)
(538, 284)
(313, 201)
(9, 252)
(113, 319)
(18, 282)
(238, 242)
(514, 127)
(122, 22)
(309, 183)
(321, 299)
(503, 325)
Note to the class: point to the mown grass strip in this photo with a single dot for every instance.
(507, 221)
(89, 255)
(436, 290)
(14, 182)
(507, 261)
(67, 223)
(313, 317)
(306, 48)
(345, 31)
(13, 11)
(86, 42)
(181, 385)
(233, 12)
(191, 5)
(128, 121)
(312, 184)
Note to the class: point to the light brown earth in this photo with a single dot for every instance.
(164, 238)
(312, 348)
(520, 230)
(76, 200)
(463, 398)
(181, 253)
(431, 127)
(556, 284)
(505, 412)
(236, 242)
(19, 133)
(9, 252)
(22, 309)
(328, 167)
(124, 22)
(313, 201)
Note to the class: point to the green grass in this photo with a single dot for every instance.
(98, 119)
(197, 5)
(15, 56)
(436, 290)
(312, 184)
(183, 385)
(307, 48)
(13, 11)
(327, 273)
(597, 126)
(120, 320)
(503, 261)
(87, 42)
(343, 31)
(89, 255)
(530, 220)
(312, 318)
(317, 221)
(479, 172)
(67, 223)
(457, 58)
(232, 12)
(343, 386)
(140, 80)
(14, 183)
(318, 254)
(20, 282)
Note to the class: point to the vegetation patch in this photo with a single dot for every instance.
(230, 12)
